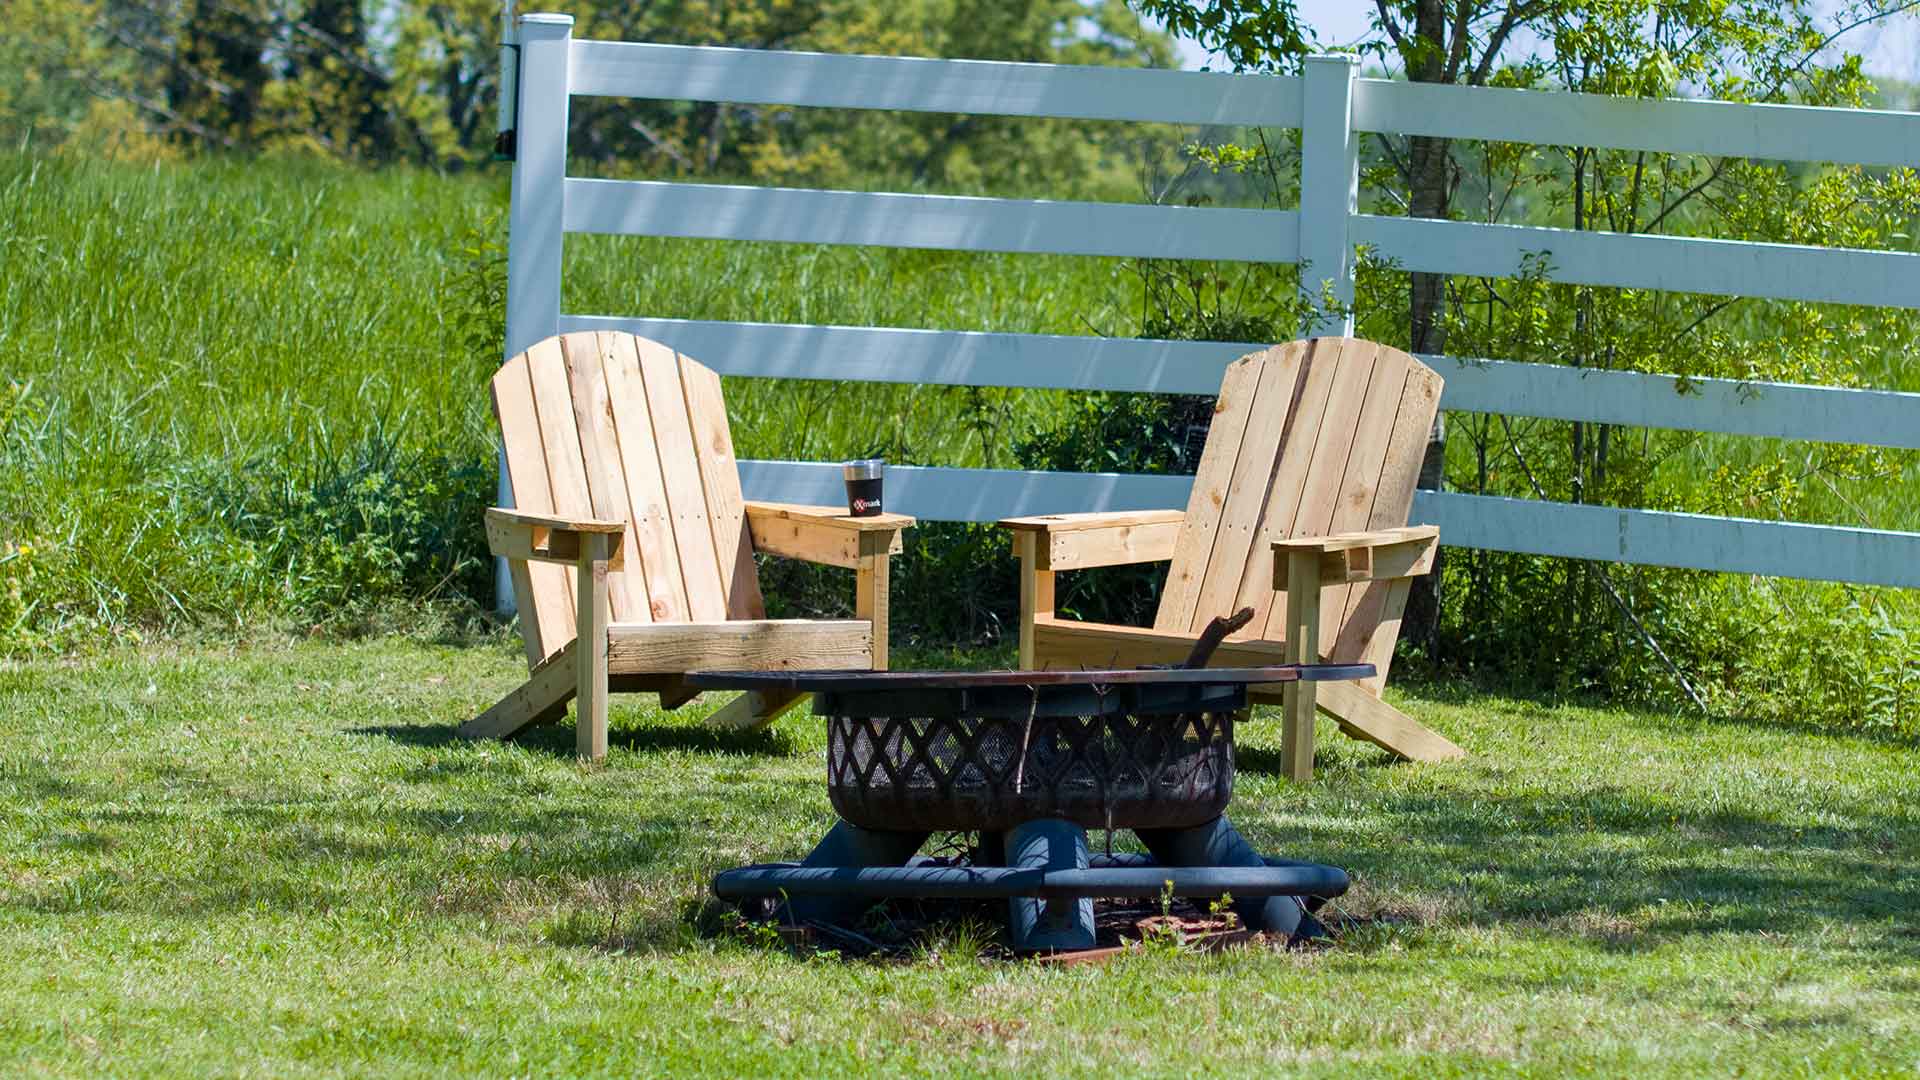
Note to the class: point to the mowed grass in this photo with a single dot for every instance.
(275, 860)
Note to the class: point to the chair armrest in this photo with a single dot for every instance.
(832, 516)
(512, 534)
(1097, 519)
(1103, 538)
(827, 535)
(1344, 558)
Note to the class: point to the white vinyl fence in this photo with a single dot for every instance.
(1332, 107)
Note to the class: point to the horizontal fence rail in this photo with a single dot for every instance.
(1077, 362)
(1634, 261)
(947, 222)
(908, 84)
(1491, 523)
(1332, 107)
(1715, 128)
(1063, 91)
(1134, 230)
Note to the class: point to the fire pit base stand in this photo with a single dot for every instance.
(1049, 844)
(1049, 879)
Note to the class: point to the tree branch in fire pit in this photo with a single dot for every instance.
(1215, 633)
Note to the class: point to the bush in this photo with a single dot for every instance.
(1125, 433)
(340, 533)
(954, 584)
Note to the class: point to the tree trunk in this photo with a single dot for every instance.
(1429, 195)
(220, 47)
(355, 90)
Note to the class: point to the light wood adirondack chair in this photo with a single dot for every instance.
(622, 467)
(1299, 510)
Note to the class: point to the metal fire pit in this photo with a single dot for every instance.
(1031, 759)
(939, 756)
(1130, 771)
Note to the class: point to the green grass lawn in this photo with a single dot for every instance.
(276, 860)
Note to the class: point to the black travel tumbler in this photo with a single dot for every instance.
(863, 486)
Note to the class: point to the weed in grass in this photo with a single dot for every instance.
(966, 940)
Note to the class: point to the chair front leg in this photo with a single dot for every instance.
(1036, 592)
(590, 630)
(870, 590)
(1303, 647)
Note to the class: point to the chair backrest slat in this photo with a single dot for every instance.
(607, 425)
(1364, 425)
(1286, 410)
(656, 575)
(680, 468)
(545, 625)
(1365, 635)
(720, 477)
(1231, 411)
(1308, 438)
(601, 462)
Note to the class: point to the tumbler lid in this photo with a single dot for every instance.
(865, 469)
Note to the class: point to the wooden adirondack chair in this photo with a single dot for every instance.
(622, 467)
(1298, 510)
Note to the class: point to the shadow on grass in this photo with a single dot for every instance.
(1610, 856)
(1267, 760)
(557, 739)
(701, 739)
(1623, 868)
(426, 736)
(1477, 693)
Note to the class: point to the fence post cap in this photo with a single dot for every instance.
(546, 18)
(1349, 59)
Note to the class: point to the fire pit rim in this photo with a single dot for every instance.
(857, 681)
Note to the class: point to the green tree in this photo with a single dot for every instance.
(251, 75)
(838, 147)
(1582, 624)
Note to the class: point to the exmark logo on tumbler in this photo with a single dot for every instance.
(863, 486)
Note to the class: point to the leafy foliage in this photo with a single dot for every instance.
(343, 530)
(420, 83)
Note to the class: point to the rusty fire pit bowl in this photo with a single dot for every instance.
(1136, 749)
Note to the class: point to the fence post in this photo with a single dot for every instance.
(538, 216)
(509, 103)
(1329, 187)
(536, 222)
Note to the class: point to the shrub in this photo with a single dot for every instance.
(339, 532)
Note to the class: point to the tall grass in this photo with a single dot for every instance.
(180, 340)
(248, 390)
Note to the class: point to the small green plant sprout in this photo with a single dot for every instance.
(1222, 910)
(1163, 937)
(1162, 934)
(756, 933)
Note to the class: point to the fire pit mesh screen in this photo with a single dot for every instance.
(1151, 771)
